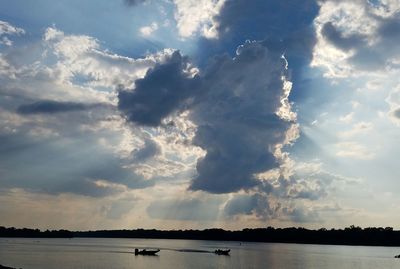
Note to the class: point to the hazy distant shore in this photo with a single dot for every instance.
(347, 236)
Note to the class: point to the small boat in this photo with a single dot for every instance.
(146, 251)
(397, 256)
(222, 251)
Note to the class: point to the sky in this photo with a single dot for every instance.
(194, 114)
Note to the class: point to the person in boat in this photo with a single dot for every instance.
(222, 251)
(146, 251)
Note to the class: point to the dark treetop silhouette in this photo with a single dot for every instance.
(348, 236)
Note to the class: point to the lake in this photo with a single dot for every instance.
(104, 253)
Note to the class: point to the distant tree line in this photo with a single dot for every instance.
(348, 236)
(34, 233)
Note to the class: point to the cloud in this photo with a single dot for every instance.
(396, 113)
(214, 128)
(234, 15)
(69, 68)
(394, 103)
(184, 209)
(148, 30)
(67, 211)
(239, 106)
(236, 21)
(295, 183)
(64, 165)
(358, 129)
(301, 214)
(355, 150)
(134, 2)
(194, 16)
(74, 74)
(163, 90)
(267, 20)
(332, 34)
(80, 58)
(247, 205)
(307, 188)
(239, 124)
(293, 198)
(149, 150)
(348, 117)
(88, 187)
(290, 201)
(362, 39)
(117, 209)
(8, 29)
(49, 106)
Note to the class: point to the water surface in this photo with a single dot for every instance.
(102, 253)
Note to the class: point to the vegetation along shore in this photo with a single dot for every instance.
(348, 236)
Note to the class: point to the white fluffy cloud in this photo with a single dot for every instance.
(70, 68)
(352, 149)
(394, 104)
(7, 29)
(148, 30)
(59, 92)
(304, 193)
(357, 37)
(357, 49)
(81, 57)
(195, 16)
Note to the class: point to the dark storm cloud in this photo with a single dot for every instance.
(237, 121)
(133, 2)
(274, 17)
(50, 107)
(234, 105)
(284, 23)
(334, 36)
(163, 90)
(233, 100)
(286, 26)
(149, 150)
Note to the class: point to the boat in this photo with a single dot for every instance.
(146, 251)
(222, 251)
(397, 256)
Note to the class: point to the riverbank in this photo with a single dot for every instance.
(352, 235)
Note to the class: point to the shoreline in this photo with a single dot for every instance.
(352, 236)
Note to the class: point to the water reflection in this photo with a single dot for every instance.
(119, 253)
